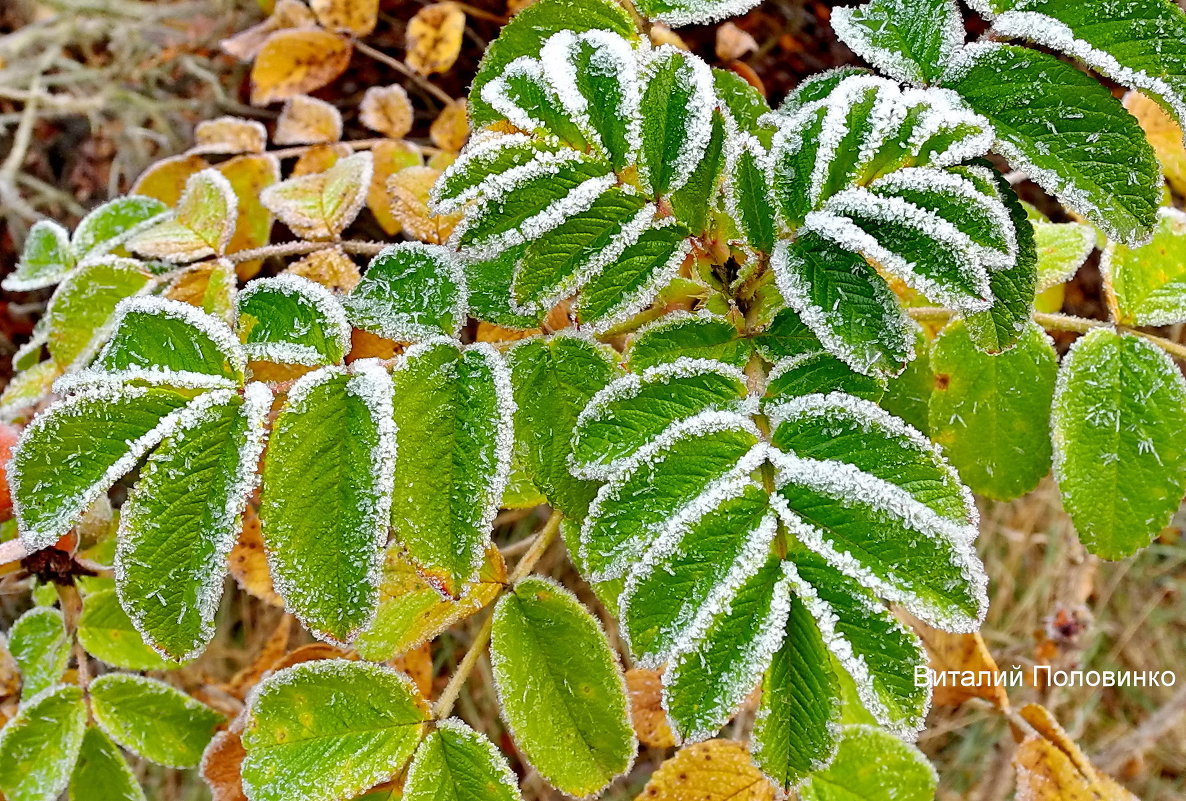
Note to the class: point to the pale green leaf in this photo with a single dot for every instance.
(455, 763)
(1149, 283)
(107, 633)
(153, 719)
(38, 643)
(321, 205)
(110, 224)
(872, 766)
(40, 744)
(102, 773)
(45, 259)
(81, 313)
(200, 226)
(1062, 249)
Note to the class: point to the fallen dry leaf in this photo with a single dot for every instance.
(662, 35)
(733, 42)
(229, 135)
(714, 770)
(451, 127)
(387, 109)
(365, 345)
(312, 652)
(307, 120)
(297, 61)
(434, 37)
(287, 14)
(357, 17)
(331, 268)
(222, 767)
(10, 675)
(1165, 136)
(646, 710)
(274, 648)
(320, 158)
(489, 332)
(417, 663)
(1050, 766)
(409, 203)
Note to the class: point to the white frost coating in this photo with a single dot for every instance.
(602, 404)
(153, 376)
(855, 665)
(700, 12)
(1049, 32)
(501, 183)
(642, 297)
(698, 121)
(834, 128)
(626, 236)
(737, 144)
(555, 59)
(579, 199)
(417, 788)
(504, 440)
(703, 424)
(945, 111)
(892, 62)
(847, 484)
(257, 403)
(333, 316)
(20, 279)
(215, 329)
(309, 219)
(756, 656)
(403, 329)
(754, 551)
(833, 224)
(926, 179)
(36, 539)
(615, 57)
(230, 200)
(871, 417)
(797, 294)
(497, 92)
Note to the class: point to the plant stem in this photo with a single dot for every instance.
(400, 66)
(301, 247)
(539, 546)
(71, 611)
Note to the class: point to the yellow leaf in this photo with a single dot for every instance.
(297, 61)
(230, 135)
(388, 110)
(417, 663)
(200, 226)
(962, 652)
(390, 158)
(165, 180)
(409, 203)
(1050, 767)
(451, 127)
(287, 14)
(365, 345)
(306, 120)
(434, 37)
(320, 158)
(331, 268)
(1165, 136)
(274, 648)
(715, 770)
(248, 564)
(662, 35)
(356, 17)
(320, 206)
(734, 43)
(249, 176)
(646, 709)
(209, 286)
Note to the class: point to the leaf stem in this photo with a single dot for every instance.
(539, 546)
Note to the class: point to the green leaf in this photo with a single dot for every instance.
(677, 105)
(76, 449)
(873, 766)
(292, 320)
(1118, 416)
(40, 744)
(107, 633)
(786, 335)
(102, 773)
(200, 226)
(911, 41)
(711, 675)
(410, 291)
(561, 688)
(1062, 250)
(817, 87)
(795, 731)
(82, 309)
(45, 260)
(455, 763)
(553, 379)
(182, 517)
(453, 412)
(38, 643)
(478, 172)
(327, 730)
(1139, 45)
(991, 413)
(1149, 283)
(743, 102)
(326, 496)
(845, 303)
(694, 201)
(153, 719)
(626, 286)
(820, 372)
(701, 335)
(908, 395)
(490, 291)
(748, 193)
(110, 224)
(525, 34)
(1066, 132)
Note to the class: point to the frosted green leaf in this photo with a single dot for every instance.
(45, 259)
(326, 498)
(455, 763)
(1118, 416)
(795, 731)
(40, 744)
(713, 673)
(38, 643)
(1066, 132)
(321, 205)
(107, 633)
(553, 379)
(1149, 283)
(528, 95)
(490, 291)
(786, 335)
(748, 192)
(820, 372)
(82, 309)
(102, 773)
(200, 225)
(908, 394)
(110, 224)
(561, 688)
(328, 730)
(816, 87)
(630, 283)
(453, 412)
(677, 104)
(873, 766)
(153, 719)
(687, 12)
(488, 165)
(702, 335)
(77, 448)
(743, 102)
(1062, 249)
(182, 517)
(410, 291)
(694, 202)
(293, 320)
(912, 41)
(991, 413)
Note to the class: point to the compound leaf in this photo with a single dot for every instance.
(39, 745)
(153, 719)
